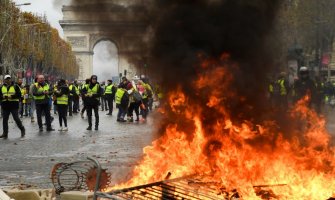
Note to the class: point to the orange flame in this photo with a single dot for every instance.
(240, 156)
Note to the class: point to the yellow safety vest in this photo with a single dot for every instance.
(63, 100)
(41, 89)
(77, 90)
(271, 88)
(283, 91)
(109, 89)
(25, 92)
(94, 90)
(70, 88)
(119, 94)
(10, 92)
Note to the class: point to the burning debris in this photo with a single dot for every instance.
(213, 57)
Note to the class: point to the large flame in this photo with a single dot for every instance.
(242, 156)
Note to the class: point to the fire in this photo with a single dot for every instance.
(251, 158)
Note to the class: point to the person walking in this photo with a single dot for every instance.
(102, 98)
(20, 84)
(92, 93)
(72, 92)
(109, 95)
(76, 94)
(10, 94)
(27, 100)
(87, 82)
(62, 99)
(41, 93)
(33, 104)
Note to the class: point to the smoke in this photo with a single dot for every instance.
(241, 28)
(181, 30)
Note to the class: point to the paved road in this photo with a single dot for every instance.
(117, 146)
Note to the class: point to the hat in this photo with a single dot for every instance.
(7, 76)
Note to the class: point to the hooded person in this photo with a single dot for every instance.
(92, 93)
(304, 85)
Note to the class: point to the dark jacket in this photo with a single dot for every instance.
(8, 105)
(304, 87)
(64, 89)
(94, 99)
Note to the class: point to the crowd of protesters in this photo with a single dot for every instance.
(64, 97)
(320, 92)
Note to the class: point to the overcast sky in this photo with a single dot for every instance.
(104, 59)
(48, 7)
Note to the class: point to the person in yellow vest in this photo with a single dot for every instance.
(84, 85)
(92, 93)
(135, 100)
(109, 95)
(41, 93)
(62, 97)
(10, 94)
(280, 92)
(76, 95)
(121, 101)
(27, 101)
(160, 94)
(71, 96)
(20, 84)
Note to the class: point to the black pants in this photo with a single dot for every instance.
(70, 102)
(75, 104)
(134, 106)
(109, 99)
(103, 103)
(84, 109)
(62, 114)
(144, 112)
(15, 113)
(43, 108)
(89, 109)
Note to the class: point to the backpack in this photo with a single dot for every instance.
(137, 96)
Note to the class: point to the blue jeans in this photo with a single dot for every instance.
(121, 113)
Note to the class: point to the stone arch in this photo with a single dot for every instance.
(94, 42)
(85, 33)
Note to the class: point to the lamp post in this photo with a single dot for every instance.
(23, 4)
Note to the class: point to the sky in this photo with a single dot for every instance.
(45, 7)
(104, 59)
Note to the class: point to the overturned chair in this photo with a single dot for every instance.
(86, 175)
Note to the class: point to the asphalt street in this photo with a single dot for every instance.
(28, 161)
(117, 146)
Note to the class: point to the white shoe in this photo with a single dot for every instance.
(65, 129)
(60, 129)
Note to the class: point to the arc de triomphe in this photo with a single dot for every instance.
(120, 24)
